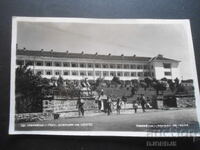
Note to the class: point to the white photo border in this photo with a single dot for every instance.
(16, 19)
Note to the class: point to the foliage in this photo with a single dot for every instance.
(60, 81)
(148, 81)
(158, 86)
(115, 80)
(30, 90)
(171, 85)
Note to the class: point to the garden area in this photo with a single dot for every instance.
(32, 89)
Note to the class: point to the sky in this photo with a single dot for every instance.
(170, 40)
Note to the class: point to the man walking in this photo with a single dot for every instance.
(143, 102)
(135, 105)
(109, 103)
(79, 105)
(118, 105)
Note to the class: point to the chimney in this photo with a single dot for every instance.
(160, 56)
(42, 50)
(109, 54)
(24, 48)
(51, 50)
(134, 55)
(67, 52)
(96, 53)
(122, 55)
(82, 52)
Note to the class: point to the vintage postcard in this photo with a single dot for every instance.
(103, 77)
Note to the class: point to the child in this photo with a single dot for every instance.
(118, 106)
(135, 106)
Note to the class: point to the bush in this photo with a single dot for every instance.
(56, 116)
(115, 80)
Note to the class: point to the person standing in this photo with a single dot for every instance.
(118, 105)
(148, 101)
(80, 107)
(143, 102)
(109, 103)
(135, 105)
(102, 102)
(99, 103)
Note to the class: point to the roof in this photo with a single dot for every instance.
(160, 57)
(85, 56)
(187, 81)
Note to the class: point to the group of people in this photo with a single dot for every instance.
(105, 104)
(144, 102)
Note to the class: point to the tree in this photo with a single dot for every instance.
(143, 85)
(164, 79)
(171, 85)
(98, 83)
(176, 82)
(60, 81)
(115, 80)
(30, 90)
(135, 83)
(148, 81)
(158, 86)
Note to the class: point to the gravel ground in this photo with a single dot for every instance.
(165, 120)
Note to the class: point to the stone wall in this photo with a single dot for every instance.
(63, 105)
(186, 102)
(32, 117)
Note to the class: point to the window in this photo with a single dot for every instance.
(133, 66)
(29, 62)
(90, 65)
(112, 73)
(39, 72)
(168, 73)
(140, 74)
(39, 63)
(133, 74)
(145, 67)
(98, 73)
(66, 73)
(139, 66)
(97, 66)
(166, 65)
(74, 73)
(57, 64)
(126, 66)
(46, 102)
(90, 73)
(83, 73)
(105, 65)
(146, 74)
(82, 65)
(126, 74)
(66, 64)
(48, 72)
(105, 73)
(112, 66)
(20, 62)
(47, 63)
(74, 65)
(119, 74)
(119, 66)
(57, 73)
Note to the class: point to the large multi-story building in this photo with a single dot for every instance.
(77, 66)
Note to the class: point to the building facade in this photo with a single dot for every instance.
(78, 66)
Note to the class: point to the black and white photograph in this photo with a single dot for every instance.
(103, 77)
